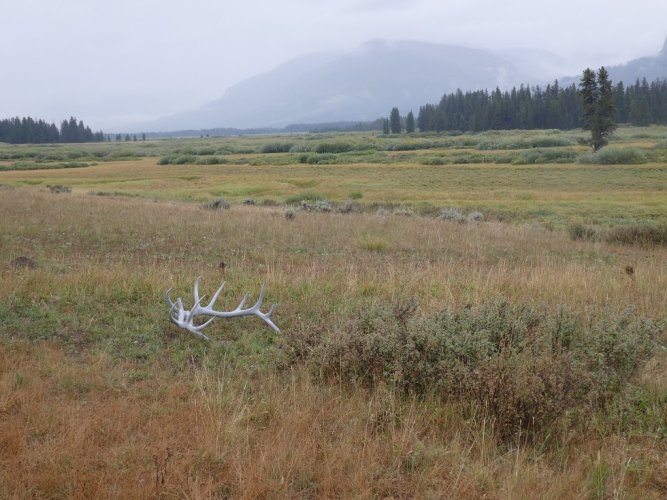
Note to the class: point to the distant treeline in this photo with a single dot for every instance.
(535, 108)
(27, 130)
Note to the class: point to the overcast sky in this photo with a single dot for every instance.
(113, 62)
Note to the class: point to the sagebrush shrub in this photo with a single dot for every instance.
(614, 156)
(579, 231)
(219, 204)
(642, 234)
(451, 213)
(277, 147)
(525, 366)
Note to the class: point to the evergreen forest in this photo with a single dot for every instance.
(29, 131)
(641, 103)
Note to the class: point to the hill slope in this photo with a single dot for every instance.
(358, 85)
(651, 67)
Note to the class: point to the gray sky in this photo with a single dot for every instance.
(115, 62)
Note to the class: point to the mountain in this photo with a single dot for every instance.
(652, 68)
(362, 84)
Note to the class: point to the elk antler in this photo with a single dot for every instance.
(185, 318)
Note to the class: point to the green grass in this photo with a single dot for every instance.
(512, 176)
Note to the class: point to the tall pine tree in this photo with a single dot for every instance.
(605, 112)
(395, 121)
(410, 123)
(598, 106)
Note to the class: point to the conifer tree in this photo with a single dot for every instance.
(395, 121)
(589, 94)
(410, 123)
(598, 106)
(605, 111)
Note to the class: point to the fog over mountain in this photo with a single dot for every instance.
(651, 67)
(363, 84)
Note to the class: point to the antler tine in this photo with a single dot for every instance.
(267, 319)
(216, 294)
(196, 290)
(243, 301)
(185, 318)
(168, 297)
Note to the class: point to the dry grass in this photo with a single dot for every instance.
(89, 428)
(99, 397)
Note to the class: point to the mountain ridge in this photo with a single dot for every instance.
(366, 82)
(361, 84)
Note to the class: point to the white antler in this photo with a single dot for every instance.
(186, 318)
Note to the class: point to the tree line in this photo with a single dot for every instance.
(29, 131)
(528, 107)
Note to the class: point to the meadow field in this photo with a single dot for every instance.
(462, 316)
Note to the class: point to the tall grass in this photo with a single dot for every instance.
(101, 396)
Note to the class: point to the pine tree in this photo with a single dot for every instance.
(395, 121)
(605, 111)
(410, 123)
(599, 110)
(385, 126)
(589, 93)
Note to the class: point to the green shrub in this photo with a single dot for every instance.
(333, 147)
(348, 207)
(525, 367)
(318, 159)
(277, 147)
(535, 156)
(211, 160)
(451, 213)
(205, 151)
(547, 141)
(614, 156)
(430, 160)
(579, 231)
(642, 234)
(321, 206)
(297, 199)
(475, 217)
(58, 188)
(177, 160)
(219, 204)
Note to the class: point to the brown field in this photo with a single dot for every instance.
(101, 397)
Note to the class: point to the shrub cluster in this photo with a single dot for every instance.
(333, 147)
(583, 232)
(277, 147)
(535, 156)
(58, 188)
(627, 234)
(318, 158)
(219, 204)
(642, 234)
(614, 156)
(191, 160)
(526, 367)
(453, 213)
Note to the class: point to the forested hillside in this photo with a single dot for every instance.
(640, 103)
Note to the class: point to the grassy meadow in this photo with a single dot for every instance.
(423, 353)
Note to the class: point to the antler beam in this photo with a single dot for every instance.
(185, 318)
